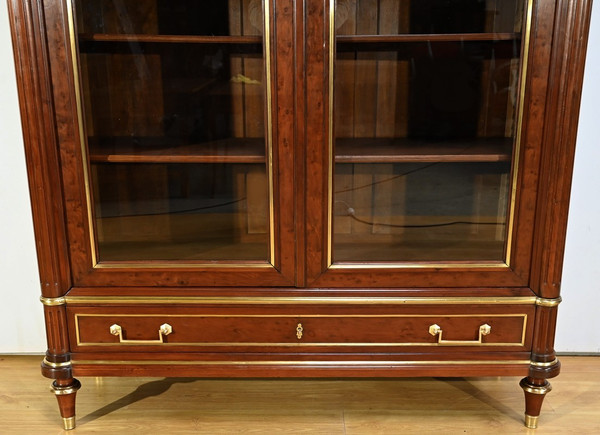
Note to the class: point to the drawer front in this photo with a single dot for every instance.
(149, 328)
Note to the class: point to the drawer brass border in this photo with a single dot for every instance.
(303, 363)
(523, 316)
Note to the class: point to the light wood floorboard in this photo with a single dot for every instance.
(379, 406)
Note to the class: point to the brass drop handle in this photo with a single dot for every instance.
(165, 329)
(435, 329)
(299, 331)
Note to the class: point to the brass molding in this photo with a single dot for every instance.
(53, 302)
(535, 389)
(303, 363)
(69, 423)
(531, 422)
(549, 303)
(69, 389)
(56, 365)
(192, 300)
(115, 330)
(544, 364)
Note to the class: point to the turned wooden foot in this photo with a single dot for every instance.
(65, 391)
(535, 391)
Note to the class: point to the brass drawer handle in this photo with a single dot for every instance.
(484, 329)
(165, 329)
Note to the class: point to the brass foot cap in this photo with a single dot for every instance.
(69, 423)
(531, 421)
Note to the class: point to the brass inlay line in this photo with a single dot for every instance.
(544, 364)
(297, 344)
(189, 300)
(180, 265)
(85, 160)
(53, 302)
(406, 265)
(330, 135)
(543, 302)
(56, 365)
(269, 138)
(302, 363)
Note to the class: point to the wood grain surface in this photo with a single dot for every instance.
(187, 406)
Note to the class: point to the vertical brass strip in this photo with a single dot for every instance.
(269, 138)
(82, 138)
(519, 140)
(330, 138)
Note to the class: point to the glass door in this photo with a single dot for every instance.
(423, 138)
(179, 171)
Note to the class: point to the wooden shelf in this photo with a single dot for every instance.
(173, 39)
(164, 150)
(402, 150)
(433, 37)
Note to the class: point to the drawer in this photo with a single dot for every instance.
(268, 328)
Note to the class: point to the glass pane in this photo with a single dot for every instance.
(174, 107)
(170, 17)
(424, 128)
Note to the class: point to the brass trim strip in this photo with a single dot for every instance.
(549, 303)
(163, 317)
(535, 389)
(402, 265)
(190, 300)
(56, 365)
(302, 363)
(85, 160)
(544, 364)
(53, 302)
(62, 391)
(198, 265)
(330, 135)
(269, 135)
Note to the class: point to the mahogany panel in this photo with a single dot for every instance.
(291, 370)
(41, 150)
(560, 131)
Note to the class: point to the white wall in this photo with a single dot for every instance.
(21, 313)
(20, 310)
(577, 324)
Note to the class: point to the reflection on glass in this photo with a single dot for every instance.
(424, 125)
(174, 107)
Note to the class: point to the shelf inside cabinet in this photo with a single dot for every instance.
(432, 37)
(404, 150)
(165, 150)
(174, 39)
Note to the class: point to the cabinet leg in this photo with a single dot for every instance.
(65, 391)
(535, 391)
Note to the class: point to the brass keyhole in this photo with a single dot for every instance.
(299, 331)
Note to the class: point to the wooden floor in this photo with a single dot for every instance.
(395, 406)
